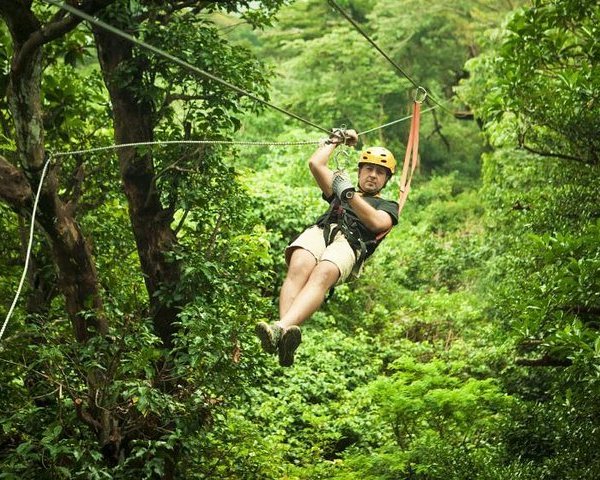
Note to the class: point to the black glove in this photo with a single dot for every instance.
(342, 186)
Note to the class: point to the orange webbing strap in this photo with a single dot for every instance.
(411, 162)
(411, 158)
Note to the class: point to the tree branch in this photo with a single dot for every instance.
(563, 156)
(15, 190)
(85, 416)
(438, 130)
(25, 22)
(19, 18)
(173, 97)
(466, 115)
(544, 361)
(208, 252)
(529, 344)
(75, 187)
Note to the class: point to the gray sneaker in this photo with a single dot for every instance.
(269, 336)
(288, 344)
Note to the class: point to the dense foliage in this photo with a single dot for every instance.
(468, 348)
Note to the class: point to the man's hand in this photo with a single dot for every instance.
(342, 186)
(339, 136)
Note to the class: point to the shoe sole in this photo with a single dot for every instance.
(264, 334)
(288, 345)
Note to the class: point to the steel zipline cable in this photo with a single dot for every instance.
(210, 76)
(384, 54)
(371, 41)
(99, 23)
(403, 119)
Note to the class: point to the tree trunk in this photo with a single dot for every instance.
(151, 222)
(71, 253)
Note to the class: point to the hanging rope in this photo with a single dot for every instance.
(182, 63)
(29, 247)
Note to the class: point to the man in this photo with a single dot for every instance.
(327, 253)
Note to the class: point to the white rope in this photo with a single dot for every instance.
(394, 122)
(185, 142)
(222, 142)
(29, 246)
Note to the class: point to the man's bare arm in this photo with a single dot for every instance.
(375, 220)
(319, 169)
(318, 162)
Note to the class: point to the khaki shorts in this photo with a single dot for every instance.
(339, 252)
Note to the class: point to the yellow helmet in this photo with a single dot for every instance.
(378, 156)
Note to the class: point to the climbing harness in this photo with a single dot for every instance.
(337, 219)
(349, 228)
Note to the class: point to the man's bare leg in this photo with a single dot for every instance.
(302, 294)
(311, 296)
(302, 264)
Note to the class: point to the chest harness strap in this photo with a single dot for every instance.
(338, 221)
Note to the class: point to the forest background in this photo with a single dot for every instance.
(468, 349)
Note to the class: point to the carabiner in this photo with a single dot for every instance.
(423, 92)
(342, 151)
